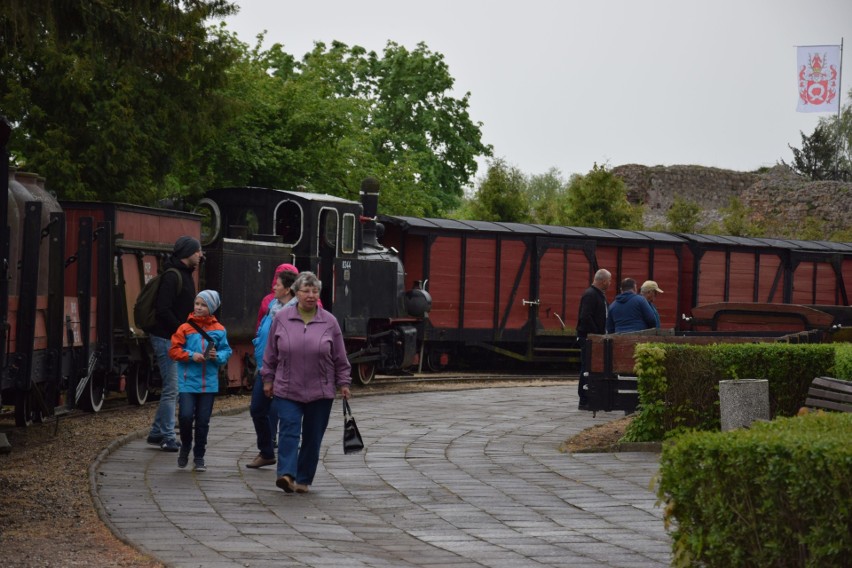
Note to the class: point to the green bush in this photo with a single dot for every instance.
(843, 361)
(679, 384)
(777, 494)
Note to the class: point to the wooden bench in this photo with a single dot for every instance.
(830, 394)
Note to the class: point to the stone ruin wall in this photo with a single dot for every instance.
(778, 195)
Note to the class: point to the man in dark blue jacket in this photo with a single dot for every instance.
(630, 311)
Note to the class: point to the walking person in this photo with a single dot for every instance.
(591, 319)
(264, 425)
(630, 311)
(175, 298)
(649, 291)
(303, 365)
(200, 347)
(264, 303)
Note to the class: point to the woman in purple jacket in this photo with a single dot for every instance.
(303, 366)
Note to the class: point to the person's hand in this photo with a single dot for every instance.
(212, 354)
(197, 357)
(267, 390)
(345, 393)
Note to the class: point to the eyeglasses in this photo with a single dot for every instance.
(309, 292)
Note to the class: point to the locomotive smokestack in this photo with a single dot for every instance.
(370, 196)
(370, 202)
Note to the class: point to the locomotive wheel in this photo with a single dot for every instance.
(92, 398)
(29, 407)
(365, 372)
(434, 361)
(25, 414)
(137, 377)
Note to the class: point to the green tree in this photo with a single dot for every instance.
(683, 215)
(817, 160)
(599, 199)
(827, 153)
(106, 100)
(418, 131)
(341, 114)
(501, 195)
(547, 194)
(736, 220)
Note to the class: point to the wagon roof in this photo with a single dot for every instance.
(448, 225)
(527, 229)
(790, 244)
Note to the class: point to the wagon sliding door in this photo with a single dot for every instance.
(478, 286)
(565, 270)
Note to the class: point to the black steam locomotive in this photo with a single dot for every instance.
(248, 231)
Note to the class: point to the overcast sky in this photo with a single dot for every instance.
(567, 83)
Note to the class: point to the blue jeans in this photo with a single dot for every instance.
(195, 409)
(305, 420)
(164, 421)
(264, 423)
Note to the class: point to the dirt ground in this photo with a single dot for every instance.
(47, 517)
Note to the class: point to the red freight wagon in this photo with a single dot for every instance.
(76, 270)
(752, 270)
(514, 289)
(129, 243)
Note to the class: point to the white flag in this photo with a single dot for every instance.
(818, 67)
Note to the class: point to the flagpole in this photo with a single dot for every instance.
(839, 111)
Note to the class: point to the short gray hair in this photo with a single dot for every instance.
(602, 275)
(306, 279)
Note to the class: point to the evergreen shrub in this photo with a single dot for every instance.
(776, 494)
(679, 384)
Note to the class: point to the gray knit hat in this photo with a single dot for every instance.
(211, 298)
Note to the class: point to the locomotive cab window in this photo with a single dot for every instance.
(328, 226)
(347, 245)
(211, 220)
(288, 222)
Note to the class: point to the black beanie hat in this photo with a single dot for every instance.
(185, 247)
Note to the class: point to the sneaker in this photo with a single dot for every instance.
(301, 488)
(154, 440)
(182, 461)
(200, 465)
(260, 461)
(170, 446)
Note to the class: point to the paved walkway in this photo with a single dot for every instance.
(449, 479)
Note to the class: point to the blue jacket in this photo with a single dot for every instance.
(262, 336)
(630, 312)
(199, 377)
(305, 362)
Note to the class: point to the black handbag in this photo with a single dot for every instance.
(352, 442)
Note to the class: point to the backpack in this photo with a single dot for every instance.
(145, 307)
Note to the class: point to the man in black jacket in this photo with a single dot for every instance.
(174, 303)
(592, 319)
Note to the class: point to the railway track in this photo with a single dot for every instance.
(458, 381)
(117, 402)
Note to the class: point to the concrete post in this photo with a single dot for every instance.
(743, 401)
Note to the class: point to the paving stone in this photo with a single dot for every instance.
(455, 479)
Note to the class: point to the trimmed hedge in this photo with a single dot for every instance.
(843, 361)
(777, 494)
(679, 384)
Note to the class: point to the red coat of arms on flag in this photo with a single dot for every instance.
(817, 82)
